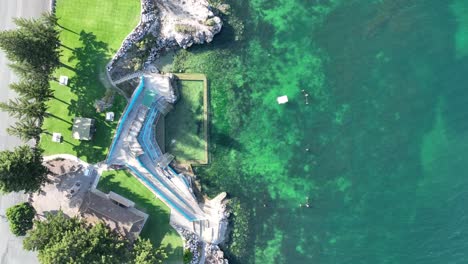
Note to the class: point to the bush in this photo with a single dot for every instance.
(188, 256)
(185, 29)
(209, 22)
(20, 217)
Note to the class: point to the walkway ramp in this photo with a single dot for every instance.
(135, 147)
(129, 77)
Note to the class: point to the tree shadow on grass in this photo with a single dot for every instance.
(59, 118)
(85, 84)
(67, 47)
(67, 29)
(60, 100)
(89, 59)
(174, 254)
(157, 225)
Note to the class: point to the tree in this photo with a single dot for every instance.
(49, 232)
(106, 246)
(84, 244)
(22, 170)
(60, 239)
(26, 130)
(34, 49)
(188, 256)
(20, 217)
(35, 41)
(144, 253)
(28, 72)
(34, 89)
(24, 107)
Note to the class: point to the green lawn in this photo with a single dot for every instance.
(185, 130)
(91, 32)
(157, 228)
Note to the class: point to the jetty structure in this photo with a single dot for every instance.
(135, 148)
(172, 24)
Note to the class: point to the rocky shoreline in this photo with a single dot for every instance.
(203, 252)
(173, 23)
(205, 248)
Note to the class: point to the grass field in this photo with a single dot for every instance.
(157, 228)
(185, 126)
(91, 32)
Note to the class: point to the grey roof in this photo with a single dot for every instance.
(83, 128)
(121, 200)
(98, 207)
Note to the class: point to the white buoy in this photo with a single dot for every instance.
(282, 99)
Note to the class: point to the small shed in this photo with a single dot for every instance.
(63, 80)
(110, 116)
(83, 128)
(56, 137)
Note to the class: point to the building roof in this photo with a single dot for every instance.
(83, 128)
(121, 200)
(110, 116)
(97, 207)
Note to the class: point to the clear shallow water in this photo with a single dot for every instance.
(386, 127)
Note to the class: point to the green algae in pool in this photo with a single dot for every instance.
(380, 150)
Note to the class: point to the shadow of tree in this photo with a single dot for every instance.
(89, 60)
(174, 252)
(59, 118)
(60, 100)
(84, 84)
(225, 140)
(67, 29)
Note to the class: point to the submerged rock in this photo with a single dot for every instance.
(225, 9)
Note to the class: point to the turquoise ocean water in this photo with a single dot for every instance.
(381, 148)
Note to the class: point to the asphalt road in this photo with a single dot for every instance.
(11, 251)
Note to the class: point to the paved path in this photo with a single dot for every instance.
(11, 251)
(129, 77)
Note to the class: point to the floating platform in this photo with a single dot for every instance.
(282, 99)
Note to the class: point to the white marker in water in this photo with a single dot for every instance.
(282, 99)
